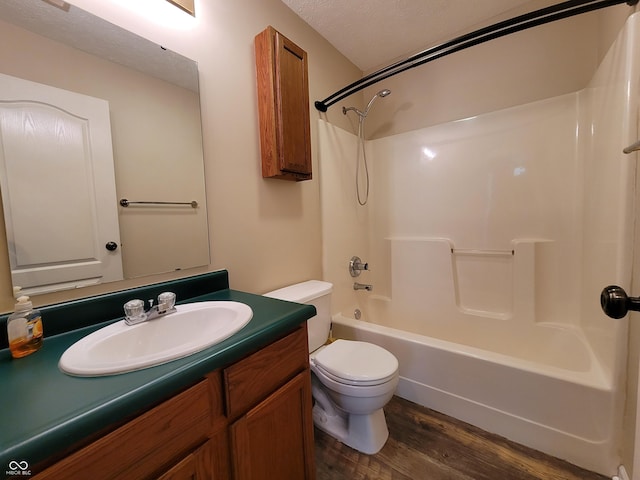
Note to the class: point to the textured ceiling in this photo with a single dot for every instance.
(77, 28)
(373, 33)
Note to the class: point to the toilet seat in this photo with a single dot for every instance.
(356, 363)
(366, 383)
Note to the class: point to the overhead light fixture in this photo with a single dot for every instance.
(61, 4)
(186, 5)
(161, 12)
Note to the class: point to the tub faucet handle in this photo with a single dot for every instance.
(356, 266)
(615, 302)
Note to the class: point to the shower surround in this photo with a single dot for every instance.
(489, 240)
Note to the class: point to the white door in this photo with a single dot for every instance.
(58, 187)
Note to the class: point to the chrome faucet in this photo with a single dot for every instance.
(135, 312)
(362, 286)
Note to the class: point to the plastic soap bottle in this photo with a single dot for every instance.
(24, 328)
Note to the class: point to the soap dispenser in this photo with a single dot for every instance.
(24, 328)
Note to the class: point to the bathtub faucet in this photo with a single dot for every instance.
(362, 286)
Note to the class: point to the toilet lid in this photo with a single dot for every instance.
(357, 362)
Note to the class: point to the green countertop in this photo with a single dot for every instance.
(43, 411)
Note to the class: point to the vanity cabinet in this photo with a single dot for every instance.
(250, 420)
(195, 466)
(179, 434)
(269, 404)
(272, 440)
(283, 107)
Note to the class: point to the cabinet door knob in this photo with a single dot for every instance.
(616, 303)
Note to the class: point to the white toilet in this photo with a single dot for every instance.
(351, 381)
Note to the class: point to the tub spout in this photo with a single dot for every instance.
(362, 286)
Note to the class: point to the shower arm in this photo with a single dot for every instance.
(522, 22)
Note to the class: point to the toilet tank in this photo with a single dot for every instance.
(318, 294)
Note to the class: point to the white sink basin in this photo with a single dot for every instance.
(120, 348)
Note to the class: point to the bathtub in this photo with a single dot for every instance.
(560, 404)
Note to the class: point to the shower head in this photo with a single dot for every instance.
(381, 93)
(361, 140)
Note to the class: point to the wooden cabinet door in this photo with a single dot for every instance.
(255, 377)
(145, 445)
(283, 106)
(292, 98)
(275, 438)
(195, 466)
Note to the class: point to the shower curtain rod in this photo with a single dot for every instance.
(500, 29)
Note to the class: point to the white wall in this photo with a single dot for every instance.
(534, 64)
(540, 63)
(265, 232)
(577, 194)
(448, 205)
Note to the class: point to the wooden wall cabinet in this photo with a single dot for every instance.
(283, 106)
(249, 421)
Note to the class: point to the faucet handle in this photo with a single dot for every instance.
(166, 301)
(356, 266)
(134, 309)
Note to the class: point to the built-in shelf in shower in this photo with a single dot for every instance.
(505, 284)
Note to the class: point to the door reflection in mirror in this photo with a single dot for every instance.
(155, 129)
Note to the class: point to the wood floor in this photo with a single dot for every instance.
(426, 445)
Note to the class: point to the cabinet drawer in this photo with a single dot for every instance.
(147, 444)
(254, 378)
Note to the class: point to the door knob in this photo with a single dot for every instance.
(616, 303)
(111, 246)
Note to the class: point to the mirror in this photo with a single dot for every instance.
(150, 96)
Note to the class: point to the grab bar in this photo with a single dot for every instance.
(632, 148)
(125, 203)
(499, 253)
